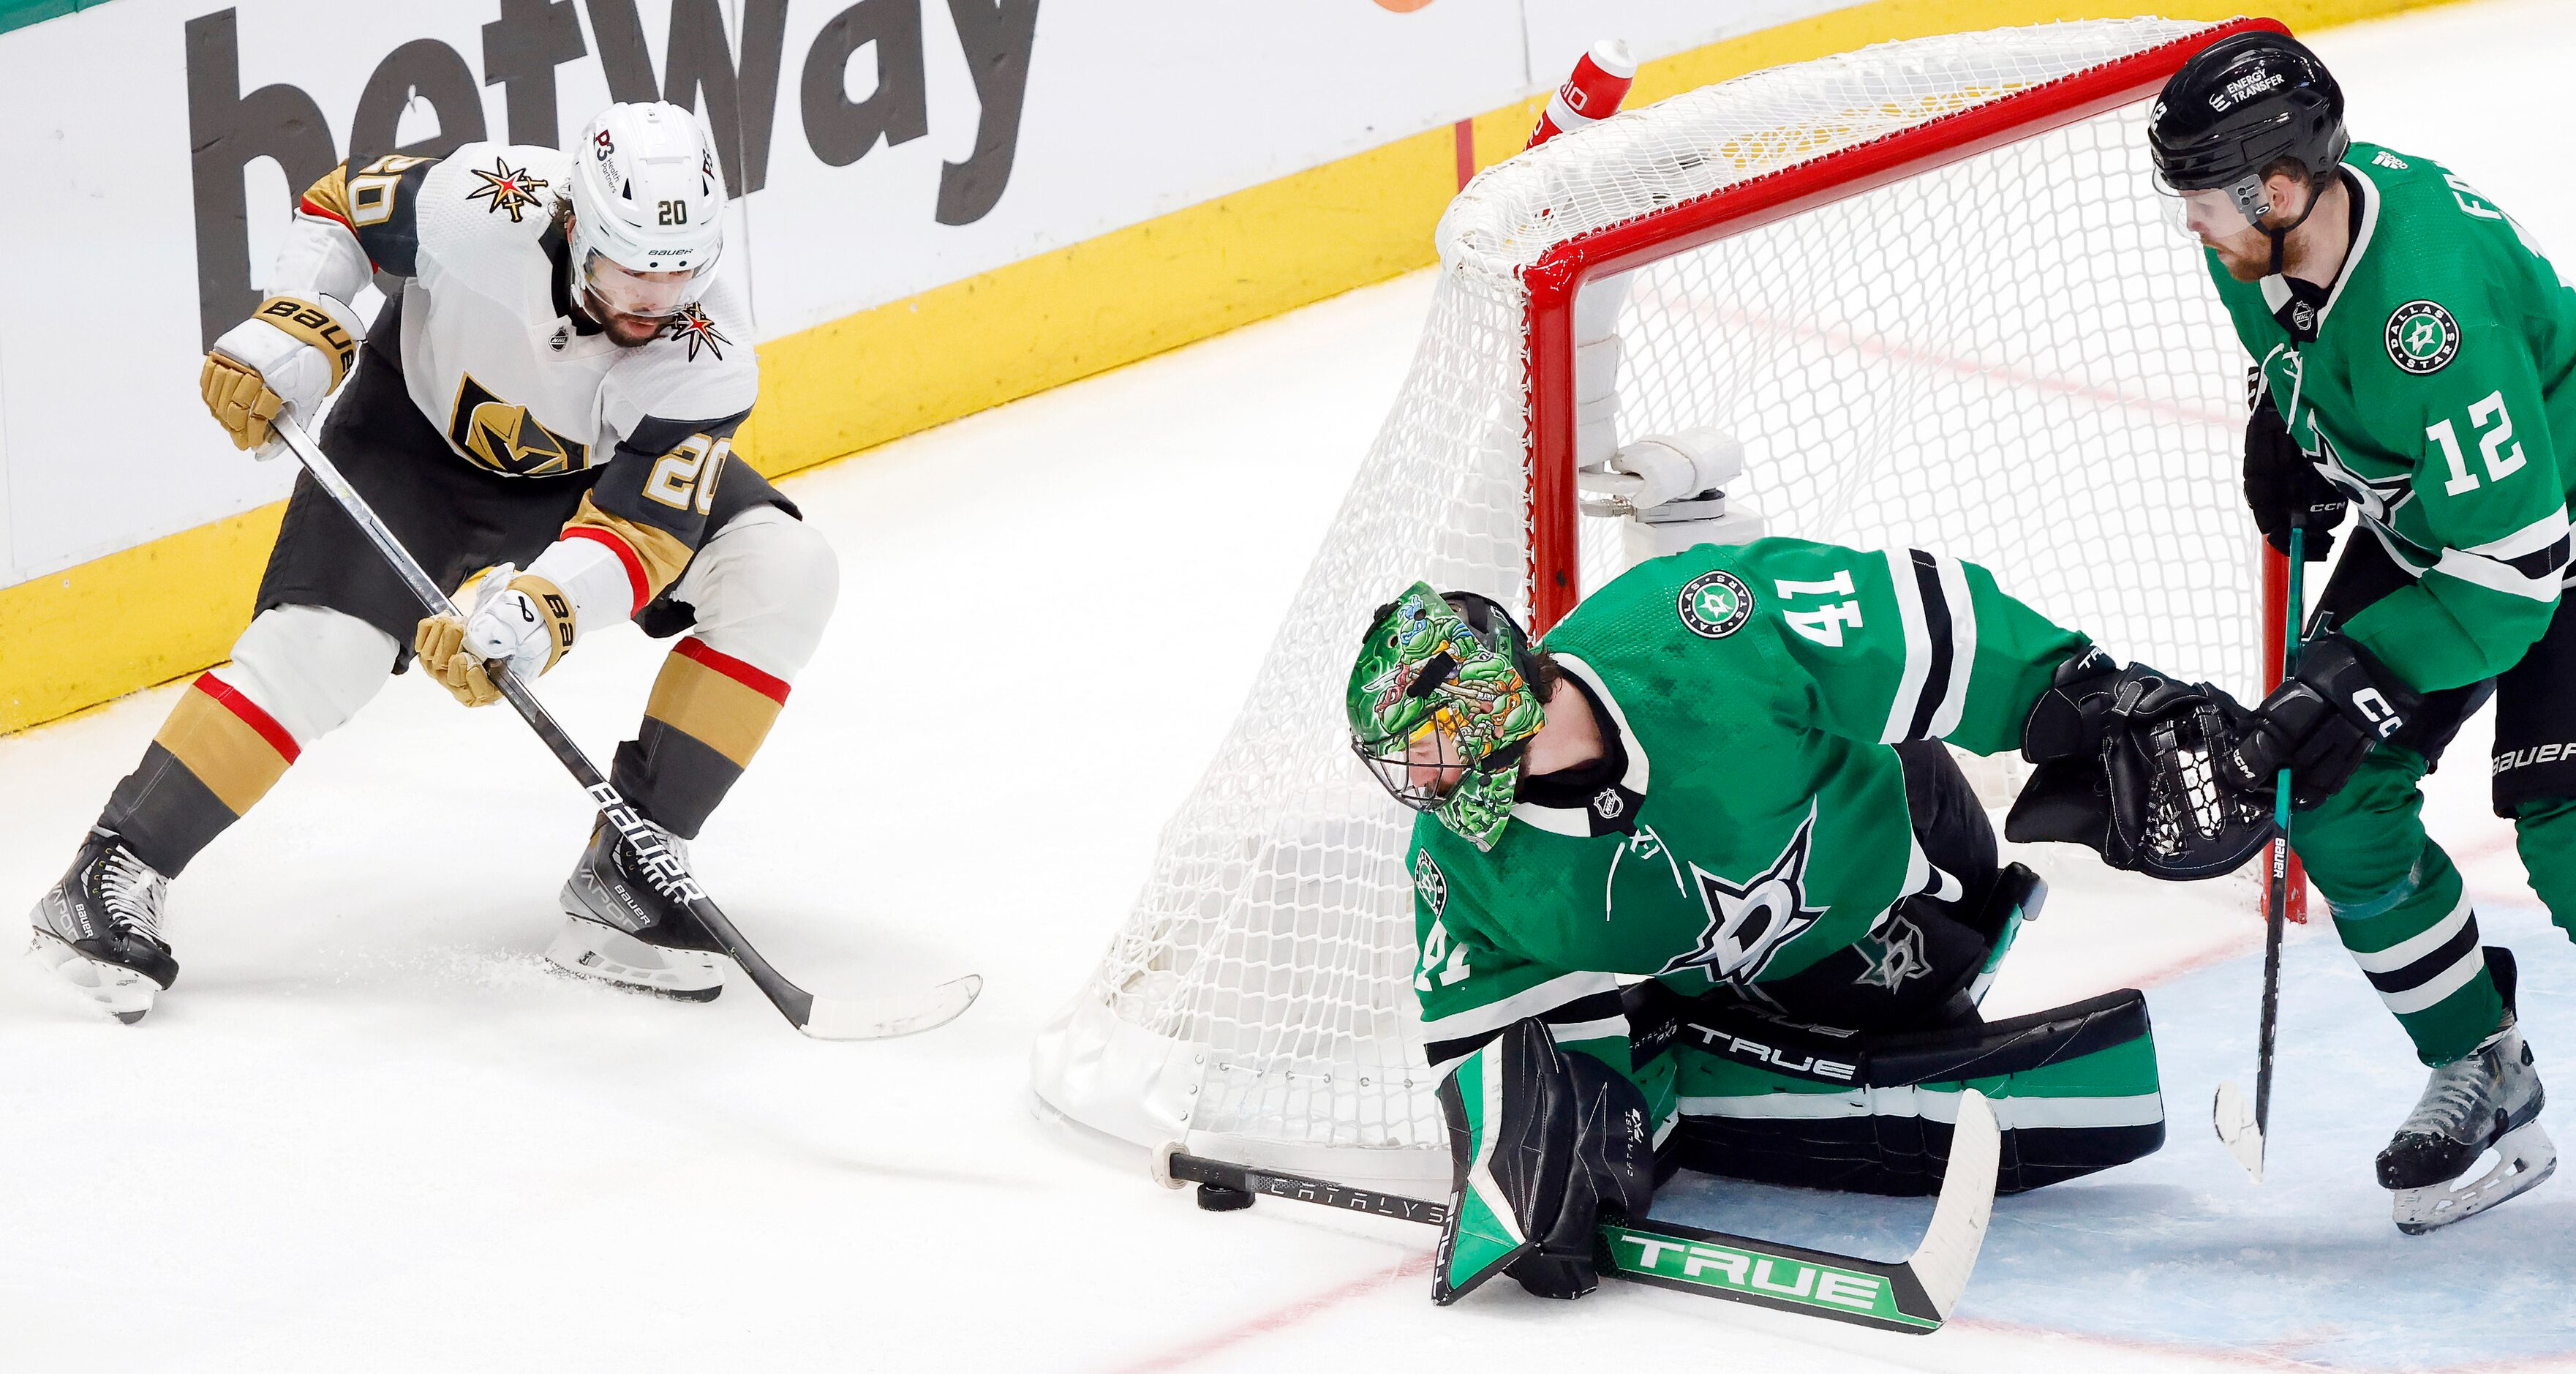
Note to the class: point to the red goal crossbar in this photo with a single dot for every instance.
(1560, 274)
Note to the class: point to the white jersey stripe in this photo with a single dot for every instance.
(1963, 644)
(1918, 646)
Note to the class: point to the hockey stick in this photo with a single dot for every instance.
(1914, 1295)
(824, 1018)
(2243, 1132)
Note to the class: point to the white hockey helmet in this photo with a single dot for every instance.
(648, 204)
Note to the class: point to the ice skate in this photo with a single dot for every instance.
(99, 928)
(2488, 1100)
(621, 929)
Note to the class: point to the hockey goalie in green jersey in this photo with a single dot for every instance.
(1698, 884)
(2412, 351)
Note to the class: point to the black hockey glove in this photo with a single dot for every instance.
(1552, 1144)
(2284, 489)
(2336, 705)
(2124, 768)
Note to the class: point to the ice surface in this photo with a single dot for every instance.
(368, 1131)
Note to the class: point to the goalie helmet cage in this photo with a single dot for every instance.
(1927, 286)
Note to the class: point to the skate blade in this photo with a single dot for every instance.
(2233, 1114)
(2525, 1159)
(587, 949)
(118, 990)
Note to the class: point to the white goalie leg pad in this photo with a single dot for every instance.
(2525, 1158)
(309, 668)
(763, 587)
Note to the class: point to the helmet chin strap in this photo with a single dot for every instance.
(2281, 237)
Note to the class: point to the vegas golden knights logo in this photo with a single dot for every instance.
(506, 438)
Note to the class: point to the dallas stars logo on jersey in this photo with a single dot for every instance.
(1748, 922)
(2422, 338)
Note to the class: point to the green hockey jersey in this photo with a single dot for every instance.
(1757, 820)
(2436, 394)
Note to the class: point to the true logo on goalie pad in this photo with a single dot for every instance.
(1714, 605)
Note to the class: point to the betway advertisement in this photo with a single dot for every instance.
(877, 149)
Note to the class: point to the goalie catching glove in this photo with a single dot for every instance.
(521, 621)
(1544, 1145)
(2333, 708)
(289, 354)
(2126, 768)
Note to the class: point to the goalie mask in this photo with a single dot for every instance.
(2127, 768)
(1442, 703)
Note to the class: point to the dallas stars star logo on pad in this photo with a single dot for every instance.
(692, 327)
(509, 188)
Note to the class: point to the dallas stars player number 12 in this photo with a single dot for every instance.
(1724, 774)
(2412, 353)
(553, 388)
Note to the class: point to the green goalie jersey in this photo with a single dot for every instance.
(1751, 818)
(2436, 394)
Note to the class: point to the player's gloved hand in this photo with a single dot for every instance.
(2123, 769)
(291, 352)
(2285, 490)
(1557, 1143)
(521, 621)
(2319, 723)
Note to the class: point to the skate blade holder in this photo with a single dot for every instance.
(2525, 1159)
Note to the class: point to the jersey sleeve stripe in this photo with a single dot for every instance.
(625, 557)
(1962, 647)
(2500, 577)
(1571, 1002)
(1906, 703)
(2540, 536)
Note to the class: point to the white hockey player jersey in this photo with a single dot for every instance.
(497, 360)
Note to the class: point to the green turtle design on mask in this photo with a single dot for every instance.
(1440, 702)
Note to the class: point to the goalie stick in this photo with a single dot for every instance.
(1914, 1295)
(824, 1018)
(2241, 1129)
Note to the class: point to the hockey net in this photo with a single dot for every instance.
(1925, 284)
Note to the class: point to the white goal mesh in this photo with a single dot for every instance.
(2008, 358)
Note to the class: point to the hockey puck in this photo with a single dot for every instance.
(1213, 1198)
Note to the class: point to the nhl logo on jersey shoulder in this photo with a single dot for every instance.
(1714, 605)
(2422, 338)
(1609, 804)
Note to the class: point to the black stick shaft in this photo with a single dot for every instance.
(2276, 916)
(796, 1003)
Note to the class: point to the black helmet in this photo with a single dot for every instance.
(2241, 104)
